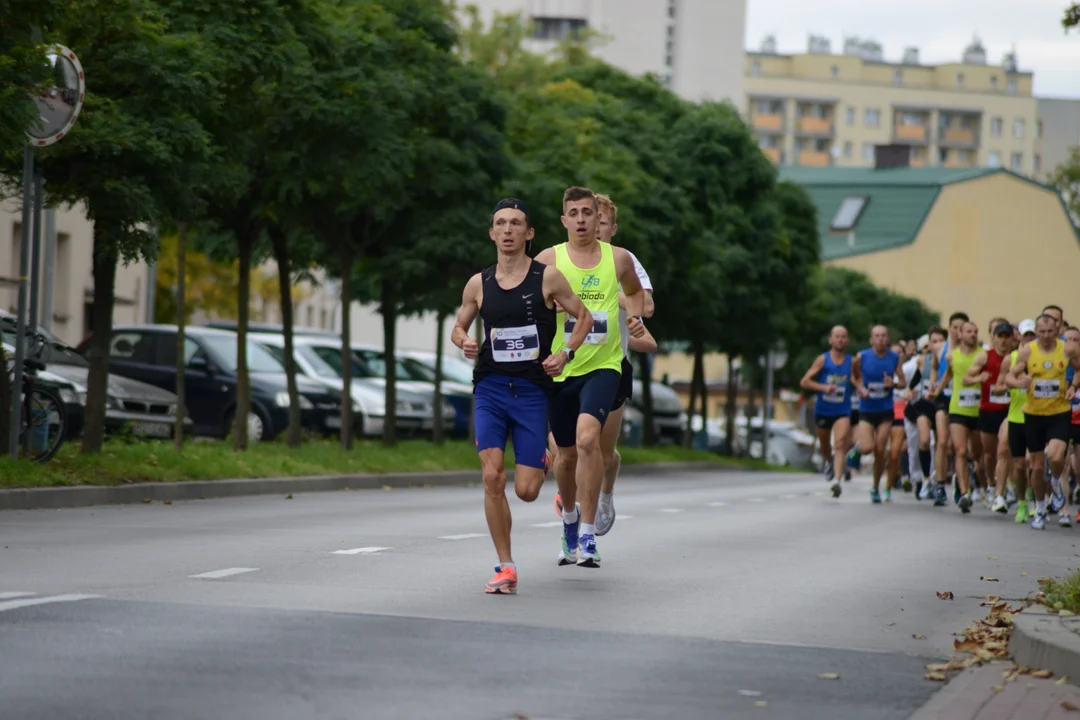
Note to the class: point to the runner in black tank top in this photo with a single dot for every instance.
(516, 299)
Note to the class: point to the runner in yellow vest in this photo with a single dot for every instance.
(963, 409)
(1016, 438)
(585, 392)
(1047, 411)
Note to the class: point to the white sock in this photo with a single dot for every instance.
(605, 496)
(1040, 507)
(569, 517)
(509, 564)
(587, 529)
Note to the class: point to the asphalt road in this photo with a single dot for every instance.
(718, 592)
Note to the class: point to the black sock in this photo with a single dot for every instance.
(924, 461)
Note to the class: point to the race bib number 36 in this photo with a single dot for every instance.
(516, 344)
(598, 334)
(1045, 388)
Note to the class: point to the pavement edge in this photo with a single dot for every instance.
(1045, 640)
(88, 495)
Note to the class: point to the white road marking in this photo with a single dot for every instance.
(820, 492)
(27, 602)
(223, 573)
(756, 500)
(555, 523)
(717, 504)
(13, 595)
(361, 551)
(671, 510)
(750, 693)
(788, 496)
(624, 517)
(466, 536)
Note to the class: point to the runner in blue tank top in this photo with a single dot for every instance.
(830, 377)
(872, 372)
(943, 449)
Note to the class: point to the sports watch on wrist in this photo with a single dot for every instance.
(569, 354)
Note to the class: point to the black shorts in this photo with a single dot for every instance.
(874, 419)
(941, 403)
(971, 423)
(1041, 429)
(920, 408)
(854, 417)
(1074, 435)
(626, 386)
(826, 422)
(589, 394)
(990, 420)
(1017, 440)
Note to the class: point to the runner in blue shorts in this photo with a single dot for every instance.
(515, 368)
(830, 376)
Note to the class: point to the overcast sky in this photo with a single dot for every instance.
(941, 29)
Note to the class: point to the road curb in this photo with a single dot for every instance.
(1047, 641)
(87, 495)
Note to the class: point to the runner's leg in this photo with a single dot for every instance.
(881, 448)
(842, 429)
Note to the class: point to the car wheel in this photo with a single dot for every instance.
(256, 426)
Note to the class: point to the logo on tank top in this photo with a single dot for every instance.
(589, 281)
(1048, 364)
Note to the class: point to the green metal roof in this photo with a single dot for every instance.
(899, 201)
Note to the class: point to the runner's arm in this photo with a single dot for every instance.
(1013, 379)
(470, 308)
(557, 287)
(947, 378)
(631, 284)
(646, 284)
(971, 377)
(856, 374)
(808, 382)
(1006, 365)
(644, 344)
(900, 376)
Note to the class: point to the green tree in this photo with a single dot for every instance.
(25, 29)
(1072, 16)
(129, 150)
(1066, 178)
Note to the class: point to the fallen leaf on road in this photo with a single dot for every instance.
(1023, 574)
(147, 500)
(987, 578)
(829, 676)
(1066, 612)
(762, 703)
(289, 496)
(891, 624)
(387, 488)
(168, 502)
(1066, 705)
(1064, 679)
(1044, 580)
(997, 688)
(918, 636)
(990, 600)
(939, 667)
(947, 595)
(935, 676)
(992, 557)
(1042, 674)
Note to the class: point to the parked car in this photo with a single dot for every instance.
(457, 381)
(73, 396)
(788, 444)
(319, 359)
(272, 328)
(669, 418)
(148, 353)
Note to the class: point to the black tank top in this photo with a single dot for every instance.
(518, 328)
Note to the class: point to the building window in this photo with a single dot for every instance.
(671, 8)
(850, 115)
(835, 72)
(995, 126)
(993, 81)
(1016, 162)
(848, 213)
(897, 77)
(1011, 87)
(755, 68)
(872, 117)
(1037, 164)
(868, 152)
(669, 61)
(994, 159)
(960, 79)
(1018, 128)
(849, 149)
(1038, 128)
(557, 28)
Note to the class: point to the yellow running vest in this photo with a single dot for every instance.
(1046, 395)
(1017, 397)
(965, 398)
(598, 289)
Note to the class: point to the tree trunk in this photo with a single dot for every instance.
(280, 242)
(104, 262)
(688, 432)
(5, 399)
(703, 387)
(438, 432)
(751, 391)
(246, 246)
(345, 256)
(649, 436)
(181, 323)
(729, 408)
(389, 322)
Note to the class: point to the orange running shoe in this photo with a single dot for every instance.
(504, 582)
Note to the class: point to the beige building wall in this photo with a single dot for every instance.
(821, 109)
(994, 246)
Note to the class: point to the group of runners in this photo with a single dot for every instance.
(552, 369)
(1000, 421)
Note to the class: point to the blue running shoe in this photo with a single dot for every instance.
(875, 496)
(827, 471)
(1038, 521)
(568, 554)
(941, 498)
(587, 555)
(1057, 498)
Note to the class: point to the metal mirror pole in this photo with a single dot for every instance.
(20, 335)
(50, 269)
(35, 251)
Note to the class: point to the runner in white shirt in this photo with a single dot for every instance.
(638, 339)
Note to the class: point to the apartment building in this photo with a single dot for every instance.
(823, 108)
(1059, 132)
(694, 46)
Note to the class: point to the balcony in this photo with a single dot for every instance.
(773, 154)
(911, 133)
(957, 136)
(814, 159)
(769, 122)
(815, 126)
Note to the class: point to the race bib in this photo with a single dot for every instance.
(1000, 398)
(968, 398)
(836, 396)
(515, 344)
(877, 390)
(596, 336)
(1045, 388)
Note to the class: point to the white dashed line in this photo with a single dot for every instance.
(624, 517)
(555, 523)
(223, 573)
(750, 693)
(788, 497)
(756, 500)
(361, 551)
(13, 595)
(671, 510)
(466, 536)
(717, 504)
(28, 602)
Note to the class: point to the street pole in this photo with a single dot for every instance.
(151, 281)
(768, 406)
(47, 308)
(20, 335)
(35, 251)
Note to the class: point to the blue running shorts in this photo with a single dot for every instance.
(512, 408)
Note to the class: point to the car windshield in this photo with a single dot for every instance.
(375, 362)
(456, 370)
(258, 359)
(319, 366)
(56, 352)
(330, 356)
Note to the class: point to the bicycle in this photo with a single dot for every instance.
(43, 420)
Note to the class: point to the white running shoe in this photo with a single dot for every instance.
(1000, 505)
(976, 495)
(605, 514)
(1065, 520)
